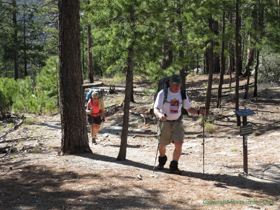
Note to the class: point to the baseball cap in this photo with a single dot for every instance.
(176, 79)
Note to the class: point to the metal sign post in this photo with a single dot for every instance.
(244, 131)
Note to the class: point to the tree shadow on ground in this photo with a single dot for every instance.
(271, 188)
(41, 187)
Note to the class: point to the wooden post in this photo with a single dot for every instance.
(245, 148)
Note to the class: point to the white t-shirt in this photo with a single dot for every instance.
(172, 106)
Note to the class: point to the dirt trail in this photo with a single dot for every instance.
(36, 177)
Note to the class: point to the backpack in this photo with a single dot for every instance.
(164, 84)
(89, 95)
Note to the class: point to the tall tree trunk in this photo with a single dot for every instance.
(205, 63)
(24, 46)
(256, 75)
(197, 63)
(15, 39)
(165, 63)
(90, 69)
(206, 69)
(73, 115)
(131, 95)
(237, 66)
(250, 52)
(181, 53)
(251, 46)
(210, 62)
(261, 25)
(216, 64)
(231, 60)
(128, 90)
(223, 63)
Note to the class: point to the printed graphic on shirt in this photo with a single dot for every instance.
(174, 106)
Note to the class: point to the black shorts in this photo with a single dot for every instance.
(94, 120)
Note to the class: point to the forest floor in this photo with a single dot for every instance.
(34, 176)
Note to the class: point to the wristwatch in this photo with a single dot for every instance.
(198, 111)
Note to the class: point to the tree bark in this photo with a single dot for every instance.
(15, 39)
(128, 92)
(73, 115)
(210, 63)
(131, 94)
(223, 63)
(237, 66)
(181, 53)
(256, 75)
(90, 69)
(165, 63)
(216, 64)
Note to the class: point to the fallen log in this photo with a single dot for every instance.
(20, 138)
(141, 115)
(113, 109)
(95, 84)
(12, 129)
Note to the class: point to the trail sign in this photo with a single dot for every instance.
(244, 131)
(244, 112)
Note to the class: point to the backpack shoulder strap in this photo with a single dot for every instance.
(183, 94)
(165, 90)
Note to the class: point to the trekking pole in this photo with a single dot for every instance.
(203, 143)
(158, 144)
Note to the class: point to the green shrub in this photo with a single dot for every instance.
(209, 127)
(269, 68)
(8, 93)
(42, 96)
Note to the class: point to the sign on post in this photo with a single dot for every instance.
(244, 131)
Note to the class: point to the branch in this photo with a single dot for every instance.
(20, 138)
(12, 129)
(112, 18)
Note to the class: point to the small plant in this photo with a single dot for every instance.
(204, 85)
(192, 74)
(34, 150)
(13, 156)
(29, 121)
(119, 100)
(10, 126)
(147, 92)
(209, 127)
(257, 133)
(233, 150)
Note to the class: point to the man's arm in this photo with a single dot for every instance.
(197, 112)
(159, 114)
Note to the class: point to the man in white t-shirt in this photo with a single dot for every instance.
(169, 112)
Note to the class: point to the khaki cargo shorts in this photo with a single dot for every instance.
(171, 131)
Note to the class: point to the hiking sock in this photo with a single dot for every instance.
(162, 161)
(93, 140)
(174, 167)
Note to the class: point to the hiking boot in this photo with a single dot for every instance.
(162, 161)
(93, 140)
(174, 168)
